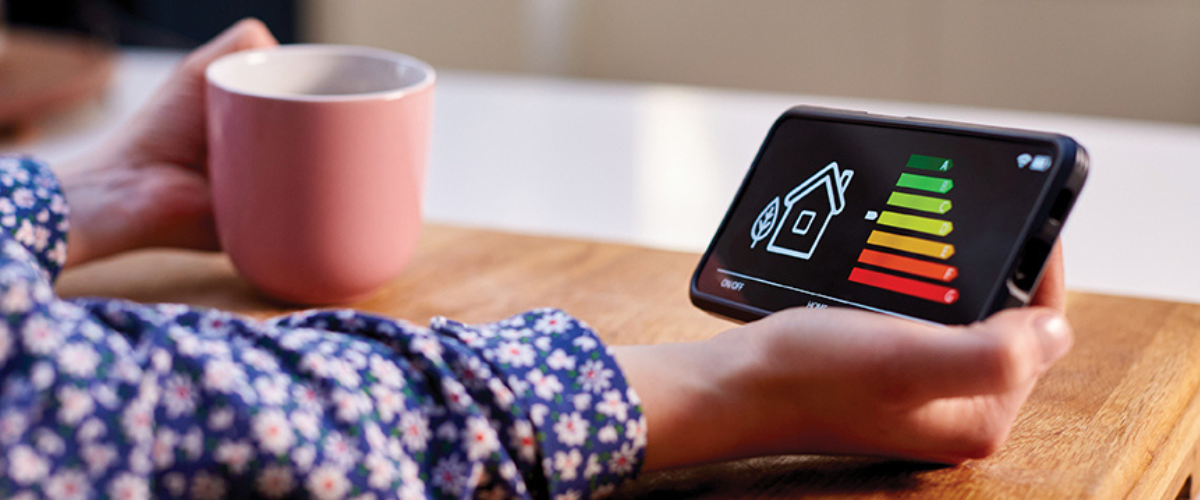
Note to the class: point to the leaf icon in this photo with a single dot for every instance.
(765, 222)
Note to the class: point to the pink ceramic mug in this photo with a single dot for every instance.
(317, 155)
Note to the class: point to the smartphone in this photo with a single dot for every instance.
(929, 220)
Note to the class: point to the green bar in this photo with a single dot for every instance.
(924, 183)
(918, 202)
(929, 163)
(916, 223)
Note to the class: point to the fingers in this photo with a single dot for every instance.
(170, 129)
(1002, 354)
(1052, 291)
(246, 34)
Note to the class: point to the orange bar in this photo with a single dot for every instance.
(916, 267)
(919, 289)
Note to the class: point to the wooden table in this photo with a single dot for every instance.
(1117, 418)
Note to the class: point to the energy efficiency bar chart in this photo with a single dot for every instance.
(907, 286)
(909, 265)
(929, 230)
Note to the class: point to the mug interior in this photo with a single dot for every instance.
(319, 72)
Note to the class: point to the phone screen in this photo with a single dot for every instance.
(915, 223)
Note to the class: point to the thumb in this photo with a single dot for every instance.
(1005, 352)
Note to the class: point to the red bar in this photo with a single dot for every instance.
(919, 289)
(917, 267)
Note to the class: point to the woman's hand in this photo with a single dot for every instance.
(150, 188)
(842, 381)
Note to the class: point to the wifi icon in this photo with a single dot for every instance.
(1024, 159)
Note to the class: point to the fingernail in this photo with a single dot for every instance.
(1055, 335)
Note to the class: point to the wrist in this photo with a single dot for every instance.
(693, 397)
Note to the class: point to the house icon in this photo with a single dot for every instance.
(810, 206)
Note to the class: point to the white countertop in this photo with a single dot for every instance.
(657, 165)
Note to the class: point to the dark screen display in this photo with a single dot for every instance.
(915, 223)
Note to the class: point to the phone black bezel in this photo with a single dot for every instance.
(1038, 234)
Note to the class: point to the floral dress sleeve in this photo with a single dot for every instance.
(104, 398)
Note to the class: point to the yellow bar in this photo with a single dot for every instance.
(912, 245)
(916, 223)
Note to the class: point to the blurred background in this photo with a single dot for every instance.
(1118, 58)
(635, 120)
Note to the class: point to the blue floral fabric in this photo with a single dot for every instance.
(105, 398)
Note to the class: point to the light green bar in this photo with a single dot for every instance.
(916, 223)
(929, 163)
(918, 202)
(925, 183)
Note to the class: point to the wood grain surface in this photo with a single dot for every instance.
(1117, 418)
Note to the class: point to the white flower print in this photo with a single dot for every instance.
(138, 421)
(450, 475)
(567, 464)
(594, 376)
(234, 454)
(571, 429)
(23, 198)
(518, 386)
(350, 405)
(91, 430)
(193, 443)
(500, 392)
(387, 402)
(328, 483)
(259, 360)
(175, 484)
(131, 487)
(73, 405)
(543, 343)
(480, 439)
(338, 451)
(304, 456)
(12, 426)
(24, 234)
(207, 486)
(16, 300)
(523, 441)
(515, 354)
(273, 432)
(272, 390)
(69, 484)
(553, 323)
(307, 424)
(386, 372)
(383, 472)
(275, 481)
(163, 452)
(98, 458)
(635, 430)
(447, 431)
(428, 347)
(607, 434)
(48, 442)
(307, 397)
(622, 460)
(344, 373)
(414, 429)
(220, 418)
(456, 395)
(613, 405)
(40, 337)
(582, 401)
(223, 376)
(545, 386)
(106, 396)
(179, 396)
(560, 360)
(538, 414)
(585, 344)
(26, 466)
(593, 466)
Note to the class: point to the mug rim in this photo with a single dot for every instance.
(248, 56)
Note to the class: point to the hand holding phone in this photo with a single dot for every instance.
(935, 221)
